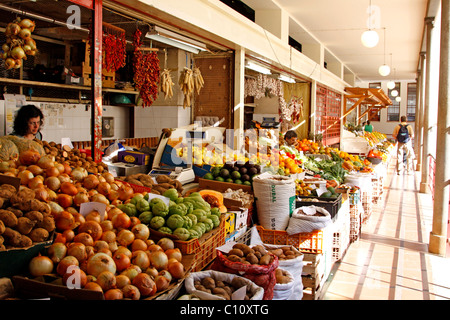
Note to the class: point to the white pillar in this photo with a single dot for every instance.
(438, 234)
(419, 115)
(424, 188)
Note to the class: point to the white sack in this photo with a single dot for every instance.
(299, 223)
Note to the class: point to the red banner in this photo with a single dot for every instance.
(85, 3)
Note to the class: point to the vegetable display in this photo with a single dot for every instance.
(19, 43)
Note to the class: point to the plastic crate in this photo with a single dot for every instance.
(306, 242)
(204, 249)
(332, 206)
(354, 198)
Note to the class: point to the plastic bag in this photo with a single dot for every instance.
(112, 150)
(300, 223)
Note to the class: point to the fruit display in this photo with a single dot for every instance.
(19, 43)
(234, 173)
(159, 185)
(185, 218)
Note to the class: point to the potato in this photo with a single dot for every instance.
(12, 237)
(259, 248)
(16, 211)
(238, 282)
(252, 258)
(8, 218)
(245, 248)
(258, 254)
(228, 289)
(265, 260)
(48, 223)
(277, 252)
(35, 216)
(209, 283)
(237, 252)
(220, 284)
(8, 187)
(38, 235)
(234, 258)
(25, 225)
(25, 241)
(219, 291)
(6, 194)
(2, 227)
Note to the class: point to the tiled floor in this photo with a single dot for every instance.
(390, 261)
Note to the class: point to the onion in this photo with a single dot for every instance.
(152, 272)
(64, 221)
(154, 247)
(99, 198)
(80, 197)
(125, 237)
(84, 238)
(121, 221)
(159, 260)
(64, 177)
(166, 274)
(68, 188)
(79, 218)
(69, 234)
(124, 250)
(174, 254)
(78, 250)
(113, 195)
(9, 63)
(28, 24)
(67, 168)
(113, 246)
(41, 193)
(104, 188)
(79, 173)
(166, 243)
(46, 161)
(134, 221)
(176, 269)
(145, 284)
(35, 169)
(76, 278)
(100, 246)
(161, 283)
(29, 157)
(100, 262)
(5, 47)
(94, 215)
(53, 183)
(131, 292)
(25, 33)
(52, 172)
(106, 279)
(108, 177)
(35, 182)
(40, 265)
(92, 228)
(93, 286)
(25, 176)
(113, 294)
(131, 272)
(18, 53)
(67, 261)
(121, 260)
(14, 28)
(91, 182)
(55, 207)
(125, 192)
(140, 259)
(57, 251)
(113, 211)
(107, 225)
(60, 238)
(64, 200)
(138, 244)
(122, 280)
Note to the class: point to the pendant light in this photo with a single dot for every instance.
(370, 37)
(391, 84)
(384, 70)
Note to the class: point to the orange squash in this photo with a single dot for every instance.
(214, 198)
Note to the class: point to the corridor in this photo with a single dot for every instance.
(390, 260)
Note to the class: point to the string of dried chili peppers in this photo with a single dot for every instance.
(114, 47)
(146, 71)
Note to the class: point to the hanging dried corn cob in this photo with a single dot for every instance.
(198, 80)
(166, 84)
(186, 83)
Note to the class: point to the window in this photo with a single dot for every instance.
(393, 111)
(411, 104)
(375, 85)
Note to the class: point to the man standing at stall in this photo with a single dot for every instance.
(404, 134)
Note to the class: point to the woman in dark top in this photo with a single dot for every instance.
(28, 122)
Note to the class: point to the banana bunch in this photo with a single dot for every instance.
(166, 84)
(198, 80)
(186, 83)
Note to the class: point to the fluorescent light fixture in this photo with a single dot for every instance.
(257, 68)
(174, 39)
(286, 78)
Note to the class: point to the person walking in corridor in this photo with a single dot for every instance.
(404, 134)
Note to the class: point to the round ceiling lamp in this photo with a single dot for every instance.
(394, 93)
(370, 38)
(391, 85)
(384, 70)
(398, 99)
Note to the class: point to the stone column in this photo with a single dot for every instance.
(424, 188)
(438, 234)
(419, 111)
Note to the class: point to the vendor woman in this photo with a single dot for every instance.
(28, 122)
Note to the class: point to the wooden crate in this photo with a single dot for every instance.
(313, 275)
(108, 77)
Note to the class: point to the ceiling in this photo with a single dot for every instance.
(338, 25)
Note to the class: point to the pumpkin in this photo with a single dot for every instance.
(214, 198)
(23, 144)
(8, 150)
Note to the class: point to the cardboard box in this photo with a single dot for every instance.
(125, 169)
(222, 186)
(133, 157)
